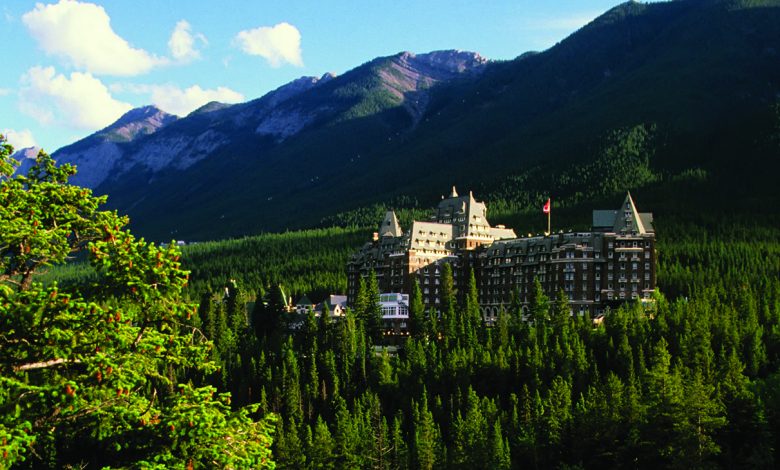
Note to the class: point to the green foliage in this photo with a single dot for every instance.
(105, 374)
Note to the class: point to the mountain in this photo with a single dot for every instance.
(26, 158)
(100, 155)
(126, 146)
(660, 95)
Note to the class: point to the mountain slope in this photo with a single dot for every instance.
(700, 77)
(98, 155)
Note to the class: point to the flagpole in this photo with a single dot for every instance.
(547, 209)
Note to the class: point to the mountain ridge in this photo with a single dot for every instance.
(698, 73)
(125, 145)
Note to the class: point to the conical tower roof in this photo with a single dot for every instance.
(627, 218)
(390, 226)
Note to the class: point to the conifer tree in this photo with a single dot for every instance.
(498, 456)
(92, 376)
(371, 315)
(560, 312)
(417, 318)
(473, 318)
(425, 452)
(321, 454)
(399, 458)
(447, 300)
(539, 305)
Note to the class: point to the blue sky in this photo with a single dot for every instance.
(72, 67)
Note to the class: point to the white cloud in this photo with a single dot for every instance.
(277, 44)
(79, 101)
(19, 139)
(81, 33)
(181, 102)
(182, 42)
(5, 91)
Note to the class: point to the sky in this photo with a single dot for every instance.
(72, 67)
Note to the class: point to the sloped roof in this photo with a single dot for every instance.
(647, 221)
(502, 233)
(604, 218)
(627, 218)
(390, 226)
(423, 232)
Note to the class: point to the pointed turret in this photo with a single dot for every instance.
(390, 226)
(454, 193)
(627, 218)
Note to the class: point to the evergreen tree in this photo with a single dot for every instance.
(470, 445)
(372, 315)
(473, 317)
(321, 454)
(102, 374)
(447, 300)
(399, 458)
(289, 450)
(417, 317)
(499, 457)
(539, 305)
(426, 442)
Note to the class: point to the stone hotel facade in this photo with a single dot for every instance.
(612, 263)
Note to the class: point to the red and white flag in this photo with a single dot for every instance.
(546, 208)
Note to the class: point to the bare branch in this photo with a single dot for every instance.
(45, 364)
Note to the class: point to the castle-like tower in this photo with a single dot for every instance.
(612, 263)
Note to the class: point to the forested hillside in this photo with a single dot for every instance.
(692, 382)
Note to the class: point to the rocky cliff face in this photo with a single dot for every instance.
(99, 156)
(137, 122)
(147, 140)
(408, 77)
